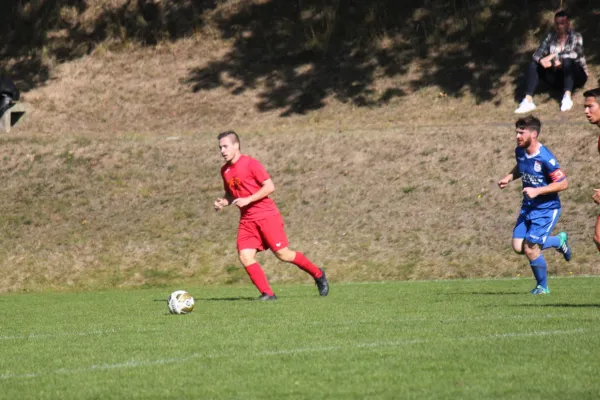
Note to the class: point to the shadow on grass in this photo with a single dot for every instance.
(229, 299)
(486, 293)
(562, 305)
(214, 299)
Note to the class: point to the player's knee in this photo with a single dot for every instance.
(285, 255)
(532, 251)
(247, 259)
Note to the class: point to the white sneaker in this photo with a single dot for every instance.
(525, 107)
(566, 104)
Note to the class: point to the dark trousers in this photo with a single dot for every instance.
(570, 76)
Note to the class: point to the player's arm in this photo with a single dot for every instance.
(266, 189)
(554, 187)
(224, 201)
(511, 176)
(558, 184)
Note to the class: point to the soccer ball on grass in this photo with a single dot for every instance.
(180, 302)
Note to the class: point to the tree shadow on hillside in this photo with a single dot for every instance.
(37, 35)
(299, 53)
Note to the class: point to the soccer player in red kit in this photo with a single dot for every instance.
(592, 112)
(248, 186)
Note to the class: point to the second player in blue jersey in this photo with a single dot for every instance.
(542, 179)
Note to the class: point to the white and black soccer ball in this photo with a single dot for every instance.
(180, 302)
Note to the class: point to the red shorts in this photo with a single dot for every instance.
(263, 234)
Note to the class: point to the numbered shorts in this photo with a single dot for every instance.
(263, 234)
(535, 225)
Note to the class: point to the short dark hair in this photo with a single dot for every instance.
(560, 14)
(530, 123)
(234, 136)
(593, 93)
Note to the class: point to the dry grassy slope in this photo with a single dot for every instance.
(110, 180)
(405, 203)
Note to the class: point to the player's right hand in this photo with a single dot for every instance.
(504, 181)
(220, 203)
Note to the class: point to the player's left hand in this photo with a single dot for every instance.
(530, 192)
(596, 196)
(242, 202)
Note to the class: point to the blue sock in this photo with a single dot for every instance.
(551, 241)
(536, 275)
(540, 271)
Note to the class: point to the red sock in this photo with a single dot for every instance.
(304, 264)
(258, 277)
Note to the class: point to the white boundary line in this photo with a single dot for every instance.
(299, 350)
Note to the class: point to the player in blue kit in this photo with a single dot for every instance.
(542, 180)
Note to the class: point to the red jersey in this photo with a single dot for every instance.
(243, 179)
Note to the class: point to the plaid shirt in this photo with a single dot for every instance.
(573, 48)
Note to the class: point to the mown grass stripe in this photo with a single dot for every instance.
(62, 334)
(36, 336)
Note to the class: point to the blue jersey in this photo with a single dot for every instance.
(537, 170)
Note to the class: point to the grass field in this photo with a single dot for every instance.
(439, 339)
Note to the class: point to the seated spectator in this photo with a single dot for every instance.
(559, 61)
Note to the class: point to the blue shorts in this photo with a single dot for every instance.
(535, 225)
